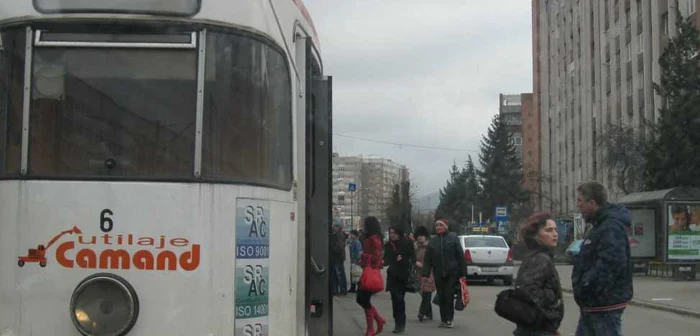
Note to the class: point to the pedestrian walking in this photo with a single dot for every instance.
(602, 273)
(444, 257)
(538, 278)
(339, 281)
(355, 247)
(371, 256)
(427, 284)
(399, 255)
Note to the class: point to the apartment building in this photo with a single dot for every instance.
(594, 65)
(374, 178)
(510, 107)
(523, 123)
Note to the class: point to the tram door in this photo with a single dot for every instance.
(318, 197)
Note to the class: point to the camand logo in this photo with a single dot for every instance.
(121, 251)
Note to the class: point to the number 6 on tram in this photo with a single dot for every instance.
(164, 168)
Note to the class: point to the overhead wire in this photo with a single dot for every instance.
(406, 145)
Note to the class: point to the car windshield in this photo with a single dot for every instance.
(470, 242)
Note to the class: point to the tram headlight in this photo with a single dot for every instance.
(104, 305)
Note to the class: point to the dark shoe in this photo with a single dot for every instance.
(421, 317)
(449, 324)
(399, 329)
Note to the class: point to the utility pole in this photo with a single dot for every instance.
(472, 214)
(352, 212)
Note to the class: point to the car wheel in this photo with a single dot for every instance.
(508, 281)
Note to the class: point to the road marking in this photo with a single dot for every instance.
(661, 299)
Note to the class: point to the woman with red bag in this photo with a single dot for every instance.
(371, 282)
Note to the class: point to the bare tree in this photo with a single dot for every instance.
(623, 156)
(539, 198)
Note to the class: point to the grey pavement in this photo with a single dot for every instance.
(682, 297)
(480, 319)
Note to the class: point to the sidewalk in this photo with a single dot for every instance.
(348, 319)
(681, 297)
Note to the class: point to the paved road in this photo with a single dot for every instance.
(479, 318)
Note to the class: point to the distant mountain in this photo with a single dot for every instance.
(428, 202)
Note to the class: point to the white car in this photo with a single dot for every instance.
(488, 257)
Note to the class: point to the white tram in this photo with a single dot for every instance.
(164, 168)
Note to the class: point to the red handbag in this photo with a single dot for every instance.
(371, 280)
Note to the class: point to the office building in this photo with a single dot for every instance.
(594, 65)
(374, 179)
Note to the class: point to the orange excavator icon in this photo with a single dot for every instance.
(39, 254)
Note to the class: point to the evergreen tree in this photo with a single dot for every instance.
(501, 174)
(672, 153)
(472, 190)
(399, 209)
(453, 200)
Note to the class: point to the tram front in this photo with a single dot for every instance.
(149, 168)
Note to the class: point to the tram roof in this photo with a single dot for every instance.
(255, 15)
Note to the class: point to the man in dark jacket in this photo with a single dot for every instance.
(444, 256)
(339, 282)
(602, 274)
(399, 254)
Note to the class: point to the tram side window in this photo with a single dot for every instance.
(113, 113)
(247, 131)
(12, 44)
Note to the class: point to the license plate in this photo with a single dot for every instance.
(489, 269)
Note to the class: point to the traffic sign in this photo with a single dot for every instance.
(352, 187)
(501, 214)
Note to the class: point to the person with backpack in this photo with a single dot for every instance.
(355, 247)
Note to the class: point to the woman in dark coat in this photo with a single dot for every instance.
(371, 256)
(399, 256)
(444, 258)
(537, 276)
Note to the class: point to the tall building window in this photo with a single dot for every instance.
(640, 43)
(690, 7)
(629, 86)
(664, 24)
(629, 52)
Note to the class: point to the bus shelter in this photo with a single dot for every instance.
(665, 230)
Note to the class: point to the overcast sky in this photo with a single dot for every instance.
(421, 72)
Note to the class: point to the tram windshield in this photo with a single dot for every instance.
(112, 111)
(110, 105)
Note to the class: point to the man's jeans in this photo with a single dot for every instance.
(398, 306)
(339, 281)
(607, 323)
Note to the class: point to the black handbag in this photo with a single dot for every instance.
(515, 306)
